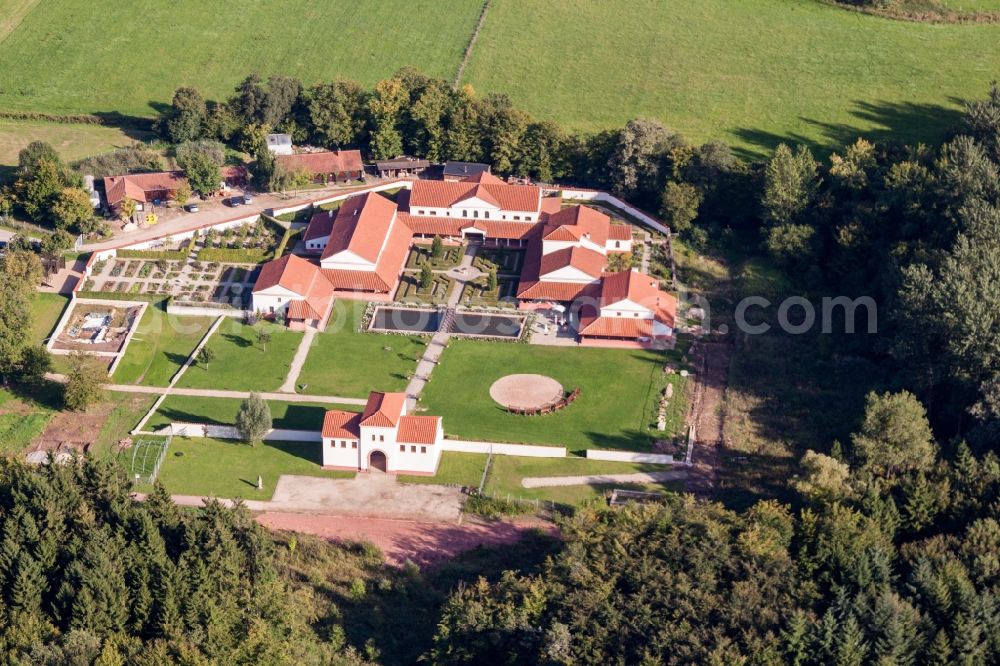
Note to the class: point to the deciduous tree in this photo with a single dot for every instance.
(254, 419)
(84, 382)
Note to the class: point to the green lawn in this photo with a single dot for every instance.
(223, 468)
(22, 419)
(347, 363)
(241, 364)
(72, 142)
(125, 415)
(615, 410)
(460, 469)
(749, 73)
(64, 58)
(222, 411)
(507, 472)
(159, 347)
(45, 312)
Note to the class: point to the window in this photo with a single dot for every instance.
(279, 299)
(413, 449)
(434, 213)
(423, 449)
(618, 243)
(354, 445)
(635, 314)
(517, 218)
(486, 214)
(373, 438)
(402, 448)
(475, 214)
(381, 438)
(465, 213)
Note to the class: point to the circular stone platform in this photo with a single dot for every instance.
(526, 391)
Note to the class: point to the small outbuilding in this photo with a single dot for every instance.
(455, 171)
(401, 166)
(280, 144)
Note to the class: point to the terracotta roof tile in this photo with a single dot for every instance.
(418, 429)
(383, 410)
(551, 291)
(341, 425)
(580, 221)
(620, 232)
(361, 226)
(324, 162)
(136, 185)
(444, 194)
(320, 225)
(583, 259)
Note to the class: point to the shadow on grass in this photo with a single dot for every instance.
(906, 122)
(237, 340)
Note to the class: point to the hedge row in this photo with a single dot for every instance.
(225, 255)
(285, 240)
(156, 255)
(112, 119)
(155, 299)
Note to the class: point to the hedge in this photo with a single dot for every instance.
(155, 299)
(285, 240)
(224, 255)
(156, 255)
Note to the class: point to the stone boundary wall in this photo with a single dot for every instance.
(631, 456)
(230, 432)
(525, 450)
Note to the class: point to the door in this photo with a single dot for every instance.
(377, 462)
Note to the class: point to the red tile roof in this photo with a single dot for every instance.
(361, 226)
(444, 194)
(615, 327)
(291, 272)
(452, 226)
(136, 185)
(383, 410)
(341, 425)
(320, 225)
(576, 222)
(551, 205)
(303, 278)
(418, 429)
(325, 162)
(620, 232)
(583, 259)
(551, 291)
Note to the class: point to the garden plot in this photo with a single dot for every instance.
(505, 261)
(98, 327)
(249, 243)
(420, 254)
(196, 282)
(410, 291)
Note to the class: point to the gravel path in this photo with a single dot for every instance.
(602, 479)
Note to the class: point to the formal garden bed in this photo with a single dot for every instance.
(410, 291)
(422, 253)
(505, 261)
(478, 292)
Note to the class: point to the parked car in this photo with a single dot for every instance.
(192, 208)
(247, 198)
(235, 201)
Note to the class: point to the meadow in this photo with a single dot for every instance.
(65, 57)
(750, 73)
(73, 142)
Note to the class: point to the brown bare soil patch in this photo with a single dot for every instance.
(74, 430)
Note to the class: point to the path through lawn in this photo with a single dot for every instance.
(242, 363)
(160, 345)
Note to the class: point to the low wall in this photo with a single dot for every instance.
(525, 450)
(631, 456)
(319, 201)
(221, 225)
(71, 308)
(615, 202)
(230, 432)
(196, 311)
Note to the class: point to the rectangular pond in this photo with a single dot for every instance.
(407, 320)
(487, 325)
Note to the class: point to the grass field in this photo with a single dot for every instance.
(615, 408)
(73, 142)
(21, 421)
(159, 347)
(344, 362)
(45, 312)
(222, 411)
(241, 364)
(65, 57)
(507, 472)
(224, 468)
(460, 469)
(750, 73)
